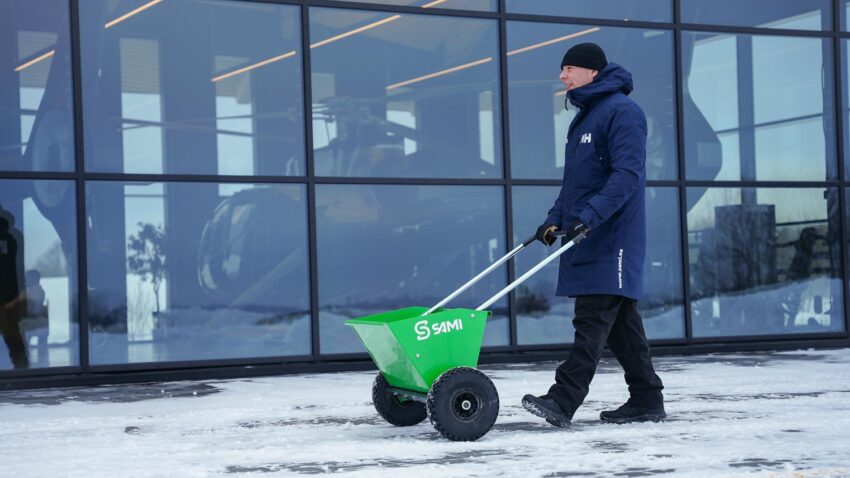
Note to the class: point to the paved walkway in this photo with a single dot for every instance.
(771, 414)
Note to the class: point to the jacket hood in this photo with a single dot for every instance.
(611, 79)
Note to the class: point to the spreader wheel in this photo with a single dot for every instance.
(397, 411)
(463, 404)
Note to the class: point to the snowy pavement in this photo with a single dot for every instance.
(771, 414)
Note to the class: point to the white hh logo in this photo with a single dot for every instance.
(585, 138)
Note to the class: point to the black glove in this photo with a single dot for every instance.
(575, 229)
(544, 234)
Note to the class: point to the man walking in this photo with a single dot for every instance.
(602, 196)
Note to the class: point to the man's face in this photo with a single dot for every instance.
(576, 76)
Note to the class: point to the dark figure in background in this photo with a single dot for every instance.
(12, 304)
(804, 253)
(704, 283)
(602, 196)
(36, 324)
(35, 293)
(799, 271)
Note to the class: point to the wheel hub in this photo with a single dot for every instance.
(465, 405)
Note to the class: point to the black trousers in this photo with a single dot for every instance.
(615, 320)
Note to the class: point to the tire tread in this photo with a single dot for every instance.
(391, 412)
(440, 386)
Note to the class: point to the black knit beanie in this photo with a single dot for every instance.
(585, 55)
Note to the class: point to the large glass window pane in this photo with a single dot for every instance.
(662, 306)
(747, 118)
(538, 119)
(38, 274)
(479, 5)
(194, 271)
(400, 95)
(543, 318)
(845, 88)
(764, 261)
(382, 248)
(36, 112)
(847, 213)
(790, 14)
(844, 9)
(645, 10)
(192, 87)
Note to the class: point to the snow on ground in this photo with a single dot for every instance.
(770, 414)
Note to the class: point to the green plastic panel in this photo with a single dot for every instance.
(412, 349)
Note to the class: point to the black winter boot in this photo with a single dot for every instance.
(546, 408)
(628, 413)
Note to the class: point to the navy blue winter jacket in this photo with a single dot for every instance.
(604, 181)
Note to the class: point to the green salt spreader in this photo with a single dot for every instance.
(428, 357)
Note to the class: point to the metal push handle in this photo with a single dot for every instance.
(501, 261)
(481, 275)
(513, 285)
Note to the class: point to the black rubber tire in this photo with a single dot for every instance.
(463, 404)
(401, 413)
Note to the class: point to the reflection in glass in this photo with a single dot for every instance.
(764, 261)
(192, 271)
(645, 10)
(382, 248)
(195, 87)
(38, 274)
(844, 9)
(742, 123)
(538, 119)
(790, 14)
(479, 5)
(402, 95)
(543, 318)
(662, 306)
(36, 114)
(845, 87)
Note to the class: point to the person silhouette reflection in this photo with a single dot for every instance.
(799, 274)
(12, 303)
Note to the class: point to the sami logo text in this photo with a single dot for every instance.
(423, 331)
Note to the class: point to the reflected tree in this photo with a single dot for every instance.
(146, 256)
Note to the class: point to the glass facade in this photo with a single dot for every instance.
(786, 14)
(478, 5)
(765, 261)
(742, 124)
(642, 10)
(845, 109)
(38, 274)
(218, 95)
(36, 111)
(538, 118)
(165, 202)
(387, 247)
(543, 318)
(843, 11)
(408, 96)
(193, 271)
